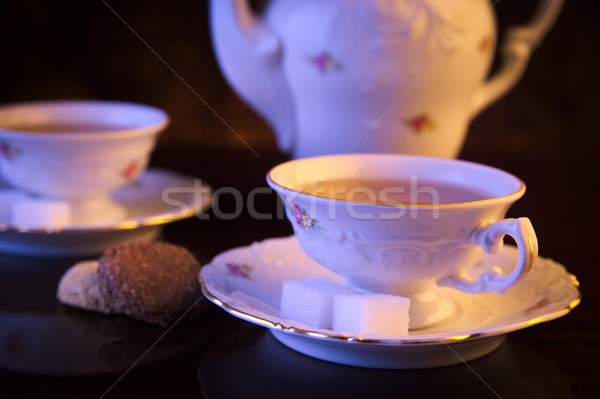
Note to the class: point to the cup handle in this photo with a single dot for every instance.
(519, 42)
(490, 239)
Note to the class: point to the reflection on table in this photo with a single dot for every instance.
(250, 363)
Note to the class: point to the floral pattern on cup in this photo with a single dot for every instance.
(325, 62)
(302, 218)
(130, 170)
(239, 270)
(8, 151)
(420, 123)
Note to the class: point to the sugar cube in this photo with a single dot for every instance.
(41, 213)
(310, 301)
(371, 314)
(7, 198)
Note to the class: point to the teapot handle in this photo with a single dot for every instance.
(519, 42)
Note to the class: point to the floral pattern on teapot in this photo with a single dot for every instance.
(485, 44)
(8, 151)
(325, 62)
(420, 123)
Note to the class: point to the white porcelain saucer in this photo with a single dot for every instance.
(247, 282)
(158, 197)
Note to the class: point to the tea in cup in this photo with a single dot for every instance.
(406, 225)
(78, 152)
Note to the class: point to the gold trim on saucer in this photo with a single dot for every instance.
(332, 336)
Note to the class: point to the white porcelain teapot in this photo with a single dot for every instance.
(399, 76)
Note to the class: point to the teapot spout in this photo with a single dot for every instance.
(249, 55)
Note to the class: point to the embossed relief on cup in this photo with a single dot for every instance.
(387, 255)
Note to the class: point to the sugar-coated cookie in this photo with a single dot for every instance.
(154, 282)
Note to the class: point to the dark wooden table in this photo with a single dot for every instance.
(219, 356)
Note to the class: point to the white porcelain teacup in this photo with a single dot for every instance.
(406, 225)
(78, 151)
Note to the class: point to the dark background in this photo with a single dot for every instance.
(545, 130)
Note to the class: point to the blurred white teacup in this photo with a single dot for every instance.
(406, 225)
(77, 152)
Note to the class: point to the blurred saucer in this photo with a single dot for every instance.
(158, 197)
(247, 282)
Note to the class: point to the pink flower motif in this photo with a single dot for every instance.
(302, 218)
(239, 270)
(420, 123)
(297, 212)
(325, 62)
(538, 305)
(130, 171)
(485, 44)
(8, 151)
